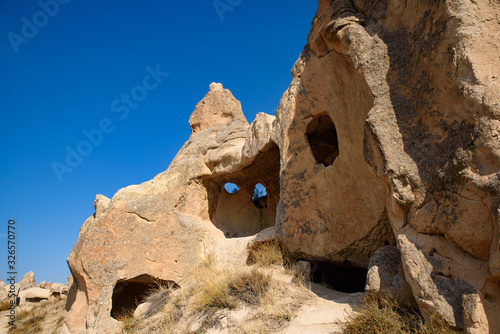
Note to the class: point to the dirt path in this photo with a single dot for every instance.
(324, 314)
(233, 251)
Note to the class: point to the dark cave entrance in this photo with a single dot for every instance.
(244, 203)
(322, 137)
(339, 277)
(128, 294)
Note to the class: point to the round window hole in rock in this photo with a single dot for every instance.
(231, 188)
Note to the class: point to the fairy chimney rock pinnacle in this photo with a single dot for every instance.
(218, 107)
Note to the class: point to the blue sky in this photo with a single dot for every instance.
(73, 69)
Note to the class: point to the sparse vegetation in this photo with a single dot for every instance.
(210, 297)
(128, 320)
(271, 253)
(44, 317)
(266, 254)
(5, 305)
(384, 316)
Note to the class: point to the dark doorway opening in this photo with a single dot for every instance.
(128, 294)
(340, 277)
(322, 138)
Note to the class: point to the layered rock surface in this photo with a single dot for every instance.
(387, 136)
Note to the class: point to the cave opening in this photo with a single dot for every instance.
(252, 207)
(322, 137)
(128, 294)
(339, 277)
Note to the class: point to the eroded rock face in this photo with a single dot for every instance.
(28, 281)
(412, 89)
(387, 136)
(159, 230)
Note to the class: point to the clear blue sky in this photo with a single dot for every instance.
(63, 71)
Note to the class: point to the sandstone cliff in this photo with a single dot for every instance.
(387, 135)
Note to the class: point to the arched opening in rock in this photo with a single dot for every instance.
(340, 277)
(231, 188)
(128, 294)
(259, 196)
(253, 207)
(322, 137)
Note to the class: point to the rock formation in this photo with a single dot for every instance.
(387, 136)
(29, 292)
(28, 281)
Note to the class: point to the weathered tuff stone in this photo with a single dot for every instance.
(412, 89)
(33, 295)
(158, 230)
(387, 135)
(28, 281)
(386, 277)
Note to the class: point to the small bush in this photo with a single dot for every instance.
(383, 316)
(5, 305)
(249, 286)
(128, 321)
(376, 317)
(266, 254)
(210, 290)
(271, 253)
(216, 289)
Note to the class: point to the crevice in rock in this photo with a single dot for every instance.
(322, 137)
(128, 294)
(142, 218)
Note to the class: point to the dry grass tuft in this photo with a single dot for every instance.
(156, 299)
(271, 253)
(266, 254)
(249, 286)
(5, 305)
(214, 288)
(383, 316)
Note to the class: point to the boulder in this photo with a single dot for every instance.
(58, 290)
(386, 277)
(264, 236)
(28, 281)
(33, 295)
(141, 310)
